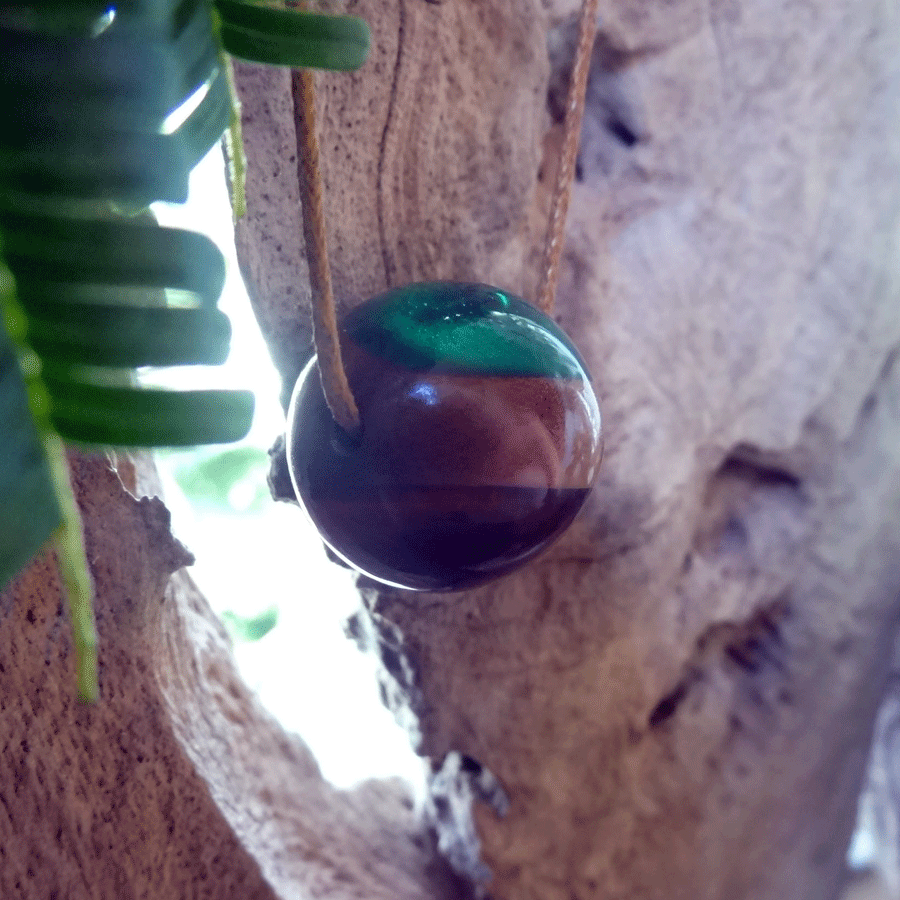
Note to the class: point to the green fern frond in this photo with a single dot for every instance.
(265, 33)
(106, 108)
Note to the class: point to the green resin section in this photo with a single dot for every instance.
(463, 328)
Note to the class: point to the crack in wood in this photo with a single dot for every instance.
(744, 650)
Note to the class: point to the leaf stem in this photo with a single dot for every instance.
(68, 538)
(234, 135)
(234, 143)
(73, 571)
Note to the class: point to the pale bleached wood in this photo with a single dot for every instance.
(678, 698)
(177, 783)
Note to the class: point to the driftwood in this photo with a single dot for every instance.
(177, 784)
(677, 700)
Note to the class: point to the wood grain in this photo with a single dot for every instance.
(676, 703)
(678, 698)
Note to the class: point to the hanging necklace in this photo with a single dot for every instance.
(444, 434)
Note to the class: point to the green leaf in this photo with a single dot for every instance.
(147, 417)
(204, 127)
(119, 166)
(251, 628)
(61, 248)
(289, 37)
(30, 510)
(36, 106)
(195, 44)
(118, 68)
(55, 16)
(89, 16)
(209, 479)
(37, 295)
(97, 334)
(89, 125)
(87, 90)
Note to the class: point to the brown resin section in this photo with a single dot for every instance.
(456, 478)
(435, 538)
(445, 428)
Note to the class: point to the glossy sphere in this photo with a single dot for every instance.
(480, 437)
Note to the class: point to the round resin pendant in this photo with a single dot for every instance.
(480, 437)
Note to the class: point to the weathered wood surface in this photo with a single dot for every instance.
(677, 700)
(177, 784)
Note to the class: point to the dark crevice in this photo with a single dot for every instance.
(470, 765)
(750, 495)
(579, 170)
(621, 131)
(667, 707)
(759, 468)
(757, 648)
(279, 478)
(612, 123)
(355, 630)
(393, 662)
(456, 783)
(762, 475)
